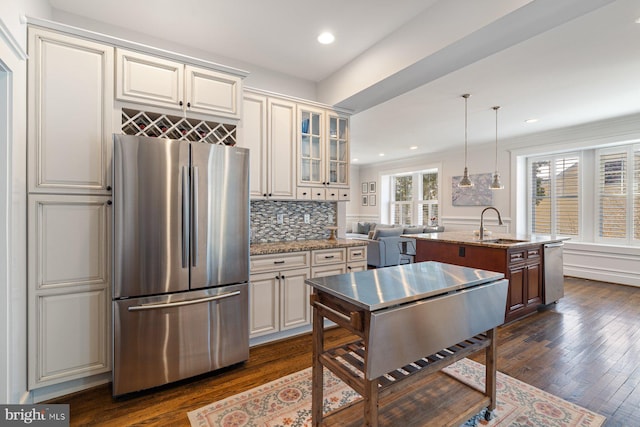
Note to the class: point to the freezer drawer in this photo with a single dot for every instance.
(158, 340)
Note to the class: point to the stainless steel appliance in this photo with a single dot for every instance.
(181, 260)
(553, 272)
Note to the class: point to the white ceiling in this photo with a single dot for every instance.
(403, 65)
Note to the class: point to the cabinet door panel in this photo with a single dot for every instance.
(70, 107)
(295, 308)
(71, 340)
(211, 92)
(253, 135)
(534, 295)
(282, 150)
(516, 298)
(149, 80)
(69, 241)
(264, 307)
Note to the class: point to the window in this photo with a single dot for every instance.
(618, 194)
(414, 198)
(555, 195)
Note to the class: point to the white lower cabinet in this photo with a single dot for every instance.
(69, 287)
(279, 298)
(278, 295)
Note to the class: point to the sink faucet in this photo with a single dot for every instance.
(482, 220)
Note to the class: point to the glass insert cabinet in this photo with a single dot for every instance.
(324, 148)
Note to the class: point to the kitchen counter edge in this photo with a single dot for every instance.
(467, 238)
(301, 245)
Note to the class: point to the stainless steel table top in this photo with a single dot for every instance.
(385, 287)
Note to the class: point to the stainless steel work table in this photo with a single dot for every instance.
(410, 321)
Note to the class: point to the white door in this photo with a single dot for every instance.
(253, 135)
(212, 92)
(68, 284)
(264, 304)
(70, 107)
(149, 80)
(295, 306)
(282, 149)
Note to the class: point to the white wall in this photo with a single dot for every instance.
(450, 164)
(13, 211)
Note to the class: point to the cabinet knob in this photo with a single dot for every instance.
(264, 195)
(269, 194)
(282, 277)
(348, 267)
(188, 105)
(277, 277)
(181, 104)
(109, 202)
(333, 194)
(304, 194)
(108, 188)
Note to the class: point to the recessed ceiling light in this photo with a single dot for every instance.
(326, 38)
(638, 21)
(413, 147)
(531, 120)
(354, 160)
(381, 154)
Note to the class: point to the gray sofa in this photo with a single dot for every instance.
(383, 242)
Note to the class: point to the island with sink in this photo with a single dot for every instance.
(520, 258)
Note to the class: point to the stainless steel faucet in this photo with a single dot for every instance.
(482, 220)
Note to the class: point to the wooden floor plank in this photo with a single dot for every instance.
(585, 349)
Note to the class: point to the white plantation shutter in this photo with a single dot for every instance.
(554, 186)
(619, 194)
(612, 194)
(567, 212)
(636, 194)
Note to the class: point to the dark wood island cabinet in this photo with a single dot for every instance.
(521, 262)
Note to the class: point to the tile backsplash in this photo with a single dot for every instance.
(266, 228)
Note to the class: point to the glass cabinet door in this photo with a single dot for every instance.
(338, 162)
(310, 147)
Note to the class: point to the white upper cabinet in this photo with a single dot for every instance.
(70, 107)
(151, 80)
(268, 129)
(323, 146)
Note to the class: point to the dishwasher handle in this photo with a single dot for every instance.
(553, 245)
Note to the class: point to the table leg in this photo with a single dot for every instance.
(316, 369)
(490, 368)
(370, 402)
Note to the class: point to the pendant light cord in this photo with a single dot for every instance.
(496, 109)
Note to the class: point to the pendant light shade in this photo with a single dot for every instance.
(465, 182)
(496, 184)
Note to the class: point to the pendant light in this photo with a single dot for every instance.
(465, 182)
(496, 184)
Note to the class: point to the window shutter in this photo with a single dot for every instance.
(567, 195)
(636, 194)
(612, 190)
(540, 197)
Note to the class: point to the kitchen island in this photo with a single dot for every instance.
(519, 258)
(410, 322)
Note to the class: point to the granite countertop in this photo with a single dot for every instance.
(301, 245)
(468, 238)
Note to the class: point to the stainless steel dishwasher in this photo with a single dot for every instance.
(553, 272)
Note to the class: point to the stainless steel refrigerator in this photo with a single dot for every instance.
(181, 260)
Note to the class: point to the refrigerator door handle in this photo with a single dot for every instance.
(194, 216)
(183, 303)
(185, 217)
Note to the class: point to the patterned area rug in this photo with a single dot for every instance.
(287, 402)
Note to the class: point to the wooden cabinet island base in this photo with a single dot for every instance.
(410, 393)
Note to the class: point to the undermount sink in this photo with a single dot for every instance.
(503, 241)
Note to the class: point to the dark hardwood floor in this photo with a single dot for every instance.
(585, 349)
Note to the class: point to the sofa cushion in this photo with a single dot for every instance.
(413, 230)
(386, 232)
